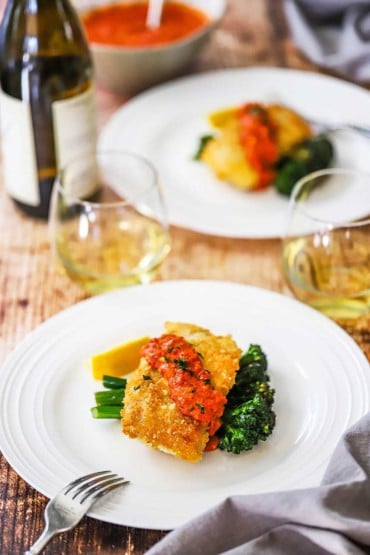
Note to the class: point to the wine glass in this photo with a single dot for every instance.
(326, 249)
(116, 237)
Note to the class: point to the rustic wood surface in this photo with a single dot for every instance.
(253, 32)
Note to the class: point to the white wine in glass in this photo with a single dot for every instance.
(326, 249)
(121, 237)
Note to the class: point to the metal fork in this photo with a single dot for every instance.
(67, 508)
(338, 126)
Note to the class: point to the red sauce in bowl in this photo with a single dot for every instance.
(124, 24)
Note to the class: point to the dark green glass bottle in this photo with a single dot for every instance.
(47, 98)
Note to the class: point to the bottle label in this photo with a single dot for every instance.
(19, 158)
(75, 134)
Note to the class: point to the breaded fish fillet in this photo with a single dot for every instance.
(291, 128)
(149, 413)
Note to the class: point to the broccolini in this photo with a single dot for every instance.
(312, 154)
(249, 416)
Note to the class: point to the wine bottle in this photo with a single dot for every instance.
(47, 99)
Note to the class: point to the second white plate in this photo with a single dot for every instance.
(165, 124)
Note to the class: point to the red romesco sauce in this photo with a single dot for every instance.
(188, 381)
(124, 24)
(257, 137)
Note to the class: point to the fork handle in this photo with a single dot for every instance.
(365, 131)
(40, 543)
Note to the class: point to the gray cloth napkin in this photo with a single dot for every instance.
(333, 33)
(333, 518)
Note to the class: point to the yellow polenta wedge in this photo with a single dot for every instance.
(220, 118)
(118, 361)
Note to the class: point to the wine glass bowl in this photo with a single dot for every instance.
(117, 237)
(326, 248)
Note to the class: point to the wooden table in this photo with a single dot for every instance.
(253, 33)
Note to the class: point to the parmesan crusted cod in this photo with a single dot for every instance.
(149, 413)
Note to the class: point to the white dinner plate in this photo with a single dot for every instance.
(321, 378)
(165, 123)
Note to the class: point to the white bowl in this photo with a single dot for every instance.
(125, 70)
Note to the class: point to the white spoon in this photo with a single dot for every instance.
(154, 15)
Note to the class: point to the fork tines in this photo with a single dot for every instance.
(94, 485)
